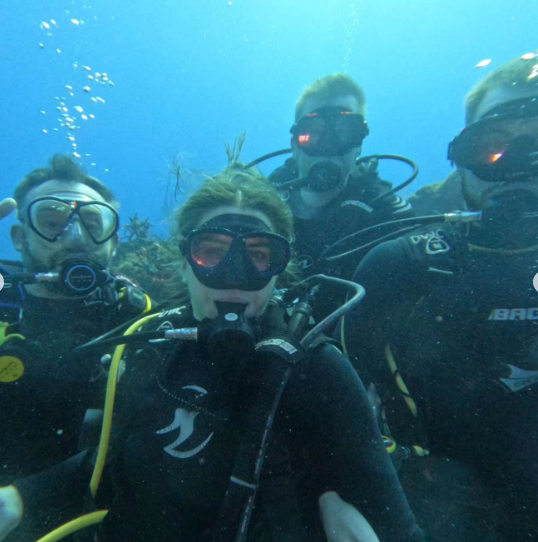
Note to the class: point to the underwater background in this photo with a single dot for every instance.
(159, 85)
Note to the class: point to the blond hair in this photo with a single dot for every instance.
(245, 189)
(337, 84)
(517, 73)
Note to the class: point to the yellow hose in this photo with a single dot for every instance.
(149, 304)
(109, 405)
(74, 525)
(400, 381)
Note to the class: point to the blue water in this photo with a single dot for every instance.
(190, 74)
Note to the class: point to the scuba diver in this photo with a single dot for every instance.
(234, 419)
(59, 296)
(448, 327)
(331, 191)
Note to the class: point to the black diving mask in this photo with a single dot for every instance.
(503, 146)
(329, 131)
(235, 251)
(49, 216)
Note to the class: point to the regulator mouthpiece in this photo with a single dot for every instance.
(230, 331)
(324, 176)
(81, 277)
(77, 278)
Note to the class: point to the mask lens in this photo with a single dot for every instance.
(490, 147)
(208, 250)
(352, 131)
(309, 131)
(100, 221)
(490, 143)
(267, 254)
(344, 128)
(330, 133)
(501, 147)
(49, 217)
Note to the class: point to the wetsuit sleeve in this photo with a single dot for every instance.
(56, 487)
(347, 448)
(69, 481)
(391, 279)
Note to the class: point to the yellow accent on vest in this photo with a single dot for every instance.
(390, 444)
(5, 337)
(11, 368)
(400, 381)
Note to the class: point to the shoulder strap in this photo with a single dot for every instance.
(238, 505)
(277, 355)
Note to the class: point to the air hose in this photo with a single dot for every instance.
(109, 405)
(97, 517)
(75, 525)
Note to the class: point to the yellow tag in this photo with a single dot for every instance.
(11, 368)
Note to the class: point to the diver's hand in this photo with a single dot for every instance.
(10, 510)
(7, 206)
(342, 521)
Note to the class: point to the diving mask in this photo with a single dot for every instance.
(235, 252)
(49, 217)
(503, 146)
(329, 131)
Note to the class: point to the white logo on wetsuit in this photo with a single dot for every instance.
(305, 262)
(519, 378)
(514, 314)
(357, 203)
(171, 312)
(435, 242)
(184, 420)
(166, 325)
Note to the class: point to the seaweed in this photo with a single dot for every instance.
(149, 259)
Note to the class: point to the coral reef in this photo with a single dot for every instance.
(148, 259)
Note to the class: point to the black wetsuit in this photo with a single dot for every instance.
(349, 212)
(42, 409)
(462, 326)
(181, 411)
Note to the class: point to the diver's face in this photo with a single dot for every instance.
(40, 255)
(203, 298)
(304, 161)
(477, 191)
(510, 207)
